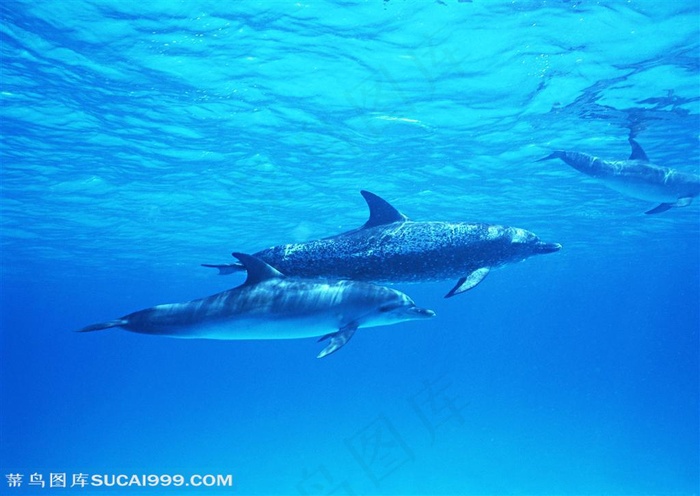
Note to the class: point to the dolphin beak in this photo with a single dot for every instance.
(421, 313)
(542, 247)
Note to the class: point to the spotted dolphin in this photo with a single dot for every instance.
(390, 248)
(637, 177)
(270, 305)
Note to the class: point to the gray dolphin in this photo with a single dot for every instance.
(270, 305)
(391, 248)
(637, 177)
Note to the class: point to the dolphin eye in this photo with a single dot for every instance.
(388, 307)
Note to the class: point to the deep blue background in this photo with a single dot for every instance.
(140, 142)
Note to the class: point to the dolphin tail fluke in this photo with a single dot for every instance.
(226, 269)
(553, 155)
(338, 339)
(104, 325)
(661, 208)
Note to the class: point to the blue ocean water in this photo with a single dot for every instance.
(142, 139)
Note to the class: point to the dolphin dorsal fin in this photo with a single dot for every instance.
(258, 270)
(637, 152)
(380, 211)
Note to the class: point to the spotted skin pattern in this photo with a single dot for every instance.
(405, 252)
(389, 248)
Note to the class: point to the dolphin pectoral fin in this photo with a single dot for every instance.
(467, 283)
(661, 208)
(338, 339)
(682, 202)
(226, 269)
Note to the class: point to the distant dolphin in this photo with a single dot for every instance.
(391, 248)
(637, 177)
(269, 305)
